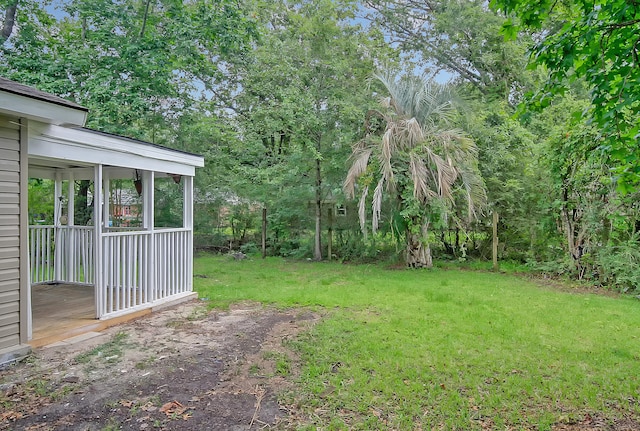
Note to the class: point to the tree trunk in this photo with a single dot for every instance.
(330, 232)
(9, 20)
(144, 19)
(264, 232)
(494, 247)
(418, 253)
(575, 232)
(317, 251)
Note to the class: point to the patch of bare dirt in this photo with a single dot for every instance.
(595, 423)
(182, 368)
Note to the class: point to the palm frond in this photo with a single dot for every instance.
(358, 167)
(385, 156)
(420, 176)
(475, 190)
(362, 213)
(413, 132)
(436, 105)
(444, 173)
(376, 205)
(415, 139)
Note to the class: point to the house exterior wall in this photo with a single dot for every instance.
(13, 179)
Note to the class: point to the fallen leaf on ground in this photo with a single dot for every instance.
(126, 403)
(175, 408)
(11, 415)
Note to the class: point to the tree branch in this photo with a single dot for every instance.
(9, 21)
(144, 19)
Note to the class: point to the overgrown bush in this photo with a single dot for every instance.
(216, 241)
(351, 246)
(619, 266)
(249, 248)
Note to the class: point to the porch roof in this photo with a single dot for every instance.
(28, 102)
(57, 139)
(52, 146)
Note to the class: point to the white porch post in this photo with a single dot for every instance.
(25, 254)
(106, 181)
(71, 244)
(57, 233)
(148, 217)
(71, 207)
(187, 208)
(99, 288)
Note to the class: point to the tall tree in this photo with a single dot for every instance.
(411, 152)
(138, 65)
(299, 100)
(596, 41)
(461, 38)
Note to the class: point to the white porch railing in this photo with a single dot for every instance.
(138, 267)
(134, 275)
(125, 277)
(41, 253)
(62, 254)
(174, 260)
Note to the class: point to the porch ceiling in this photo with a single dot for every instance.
(47, 168)
(52, 169)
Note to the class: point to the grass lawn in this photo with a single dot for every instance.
(444, 349)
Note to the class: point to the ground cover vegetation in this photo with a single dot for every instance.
(447, 349)
(275, 93)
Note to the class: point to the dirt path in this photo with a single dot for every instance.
(182, 368)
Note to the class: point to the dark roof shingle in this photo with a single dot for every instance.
(24, 90)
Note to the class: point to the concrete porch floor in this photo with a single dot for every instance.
(62, 311)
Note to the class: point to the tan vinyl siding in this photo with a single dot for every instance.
(9, 297)
(9, 330)
(8, 286)
(9, 232)
(8, 176)
(9, 319)
(9, 168)
(8, 252)
(10, 263)
(11, 155)
(11, 340)
(9, 187)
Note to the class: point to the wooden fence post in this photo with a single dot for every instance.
(495, 241)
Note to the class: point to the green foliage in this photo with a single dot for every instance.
(41, 201)
(168, 203)
(595, 41)
(462, 38)
(619, 266)
(273, 94)
(249, 248)
(352, 247)
(136, 68)
(300, 95)
(514, 180)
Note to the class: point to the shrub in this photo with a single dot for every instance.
(619, 266)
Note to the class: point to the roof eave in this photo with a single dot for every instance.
(40, 110)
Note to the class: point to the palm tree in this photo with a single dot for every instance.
(410, 152)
